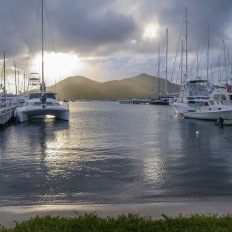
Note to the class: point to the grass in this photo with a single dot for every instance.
(123, 223)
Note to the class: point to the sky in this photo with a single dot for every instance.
(107, 40)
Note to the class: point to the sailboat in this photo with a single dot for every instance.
(42, 103)
(192, 91)
(163, 100)
(6, 109)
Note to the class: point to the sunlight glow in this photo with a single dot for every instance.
(150, 31)
(57, 66)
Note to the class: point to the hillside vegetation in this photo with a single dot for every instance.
(142, 86)
(123, 223)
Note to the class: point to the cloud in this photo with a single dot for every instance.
(112, 31)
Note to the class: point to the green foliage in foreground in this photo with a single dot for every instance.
(132, 223)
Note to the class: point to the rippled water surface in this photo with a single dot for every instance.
(113, 153)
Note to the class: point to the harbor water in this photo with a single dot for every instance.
(114, 153)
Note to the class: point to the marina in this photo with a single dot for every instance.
(135, 101)
(114, 153)
(109, 127)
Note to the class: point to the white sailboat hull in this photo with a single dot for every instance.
(208, 115)
(180, 108)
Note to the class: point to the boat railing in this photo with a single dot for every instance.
(65, 103)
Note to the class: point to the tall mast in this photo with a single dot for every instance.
(43, 85)
(207, 74)
(181, 66)
(186, 43)
(166, 87)
(18, 83)
(16, 91)
(225, 59)
(4, 79)
(24, 84)
(158, 74)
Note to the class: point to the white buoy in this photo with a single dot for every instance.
(197, 132)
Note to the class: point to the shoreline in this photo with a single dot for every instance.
(9, 215)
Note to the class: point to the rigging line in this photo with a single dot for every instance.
(217, 64)
(161, 58)
(201, 55)
(49, 25)
(33, 35)
(190, 72)
(203, 48)
(173, 70)
(53, 44)
(158, 66)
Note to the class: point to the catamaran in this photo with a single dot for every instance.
(42, 103)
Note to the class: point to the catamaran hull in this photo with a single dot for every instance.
(25, 113)
(213, 115)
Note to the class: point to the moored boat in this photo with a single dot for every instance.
(6, 107)
(35, 108)
(222, 93)
(192, 92)
(42, 103)
(209, 110)
(222, 121)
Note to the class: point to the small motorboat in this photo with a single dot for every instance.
(222, 121)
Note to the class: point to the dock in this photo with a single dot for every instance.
(135, 101)
(6, 114)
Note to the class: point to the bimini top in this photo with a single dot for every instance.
(38, 95)
(197, 81)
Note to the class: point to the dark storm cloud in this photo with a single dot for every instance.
(93, 24)
(87, 32)
(108, 27)
(201, 13)
(16, 23)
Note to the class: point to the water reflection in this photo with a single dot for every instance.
(112, 153)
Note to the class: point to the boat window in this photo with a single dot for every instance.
(230, 97)
(216, 96)
(211, 102)
(51, 95)
(206, 104)
(34, 95)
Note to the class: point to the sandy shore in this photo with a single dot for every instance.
(10, 214)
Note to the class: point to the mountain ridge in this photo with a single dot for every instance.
(142, 86)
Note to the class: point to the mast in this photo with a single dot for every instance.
(24, 84)
(18, 83)
(166, 87)
(207, 74)
(43, 88)
(4, 79)
(16, 91)
(43, 84)
(186, 43)
(181, 66)
(225, 59)
(158, 74)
